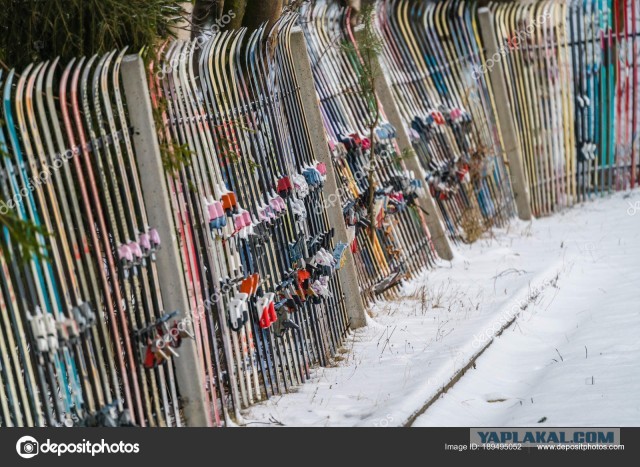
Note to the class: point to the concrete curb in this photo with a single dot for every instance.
(457, 376)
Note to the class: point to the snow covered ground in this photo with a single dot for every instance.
(571, 357)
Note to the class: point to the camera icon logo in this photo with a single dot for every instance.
(27, 447)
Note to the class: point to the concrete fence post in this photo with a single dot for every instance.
(348, 275)
(426, 202)
(504, 116)
(155, 189)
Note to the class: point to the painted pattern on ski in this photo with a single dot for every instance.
(572, 71)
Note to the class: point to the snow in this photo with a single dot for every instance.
(571, 357)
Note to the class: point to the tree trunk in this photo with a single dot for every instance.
(261, 11)
(248, 13)
(238, 7)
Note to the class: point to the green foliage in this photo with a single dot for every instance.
(34, 30)
(364, 59)
(228, 145)
(253, 165)
(175, 156)
(406, 153)
(23, 233)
